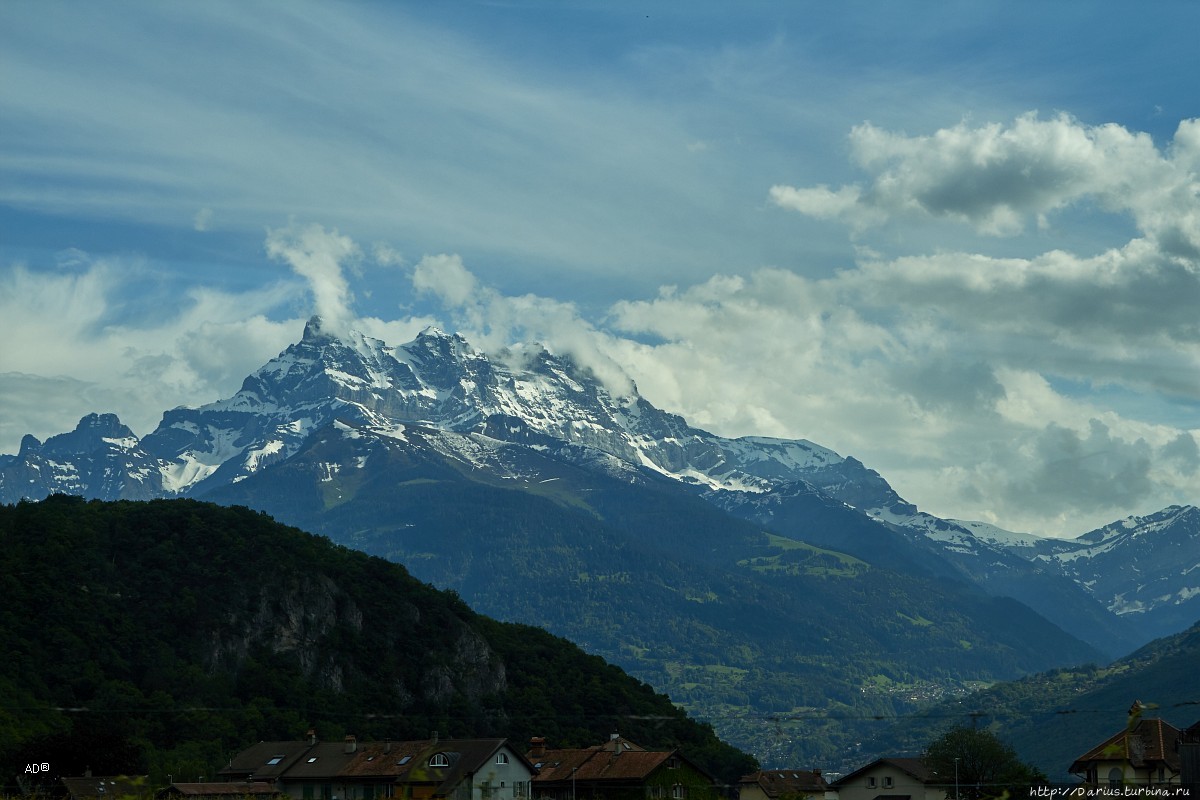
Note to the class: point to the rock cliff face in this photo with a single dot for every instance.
(298, 617)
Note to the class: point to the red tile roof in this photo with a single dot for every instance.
(617, 760)
(1147, 741)
(776, 782)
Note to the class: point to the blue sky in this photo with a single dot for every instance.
(958, 241)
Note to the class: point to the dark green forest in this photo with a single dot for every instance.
(160, 637)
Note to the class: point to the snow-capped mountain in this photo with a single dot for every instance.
(1145, 569)
(439, 381)
(530, 398)
(101, 458)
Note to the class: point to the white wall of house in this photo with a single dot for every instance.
(505, 777)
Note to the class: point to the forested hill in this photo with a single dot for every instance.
(1054, 717)
(160, 637)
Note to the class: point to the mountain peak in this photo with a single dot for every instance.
(107, 425)
(315, 330)
(435, 332)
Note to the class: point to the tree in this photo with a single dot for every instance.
(974, 764)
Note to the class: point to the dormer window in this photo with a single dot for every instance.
(439, 760)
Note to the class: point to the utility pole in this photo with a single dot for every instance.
(956, 778)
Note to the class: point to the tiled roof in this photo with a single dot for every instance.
(617, 760)
(265, 761)
(776, 782)
(223, 788)
(1148, 741)
(913, 767)
(403, 761)
(383, 759)
(465, 756)
(321, 760)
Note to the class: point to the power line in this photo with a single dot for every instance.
(803, 716)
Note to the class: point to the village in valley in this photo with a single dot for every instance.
(1148, 757)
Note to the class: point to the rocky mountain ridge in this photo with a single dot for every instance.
(1142, 568)
(530, 397)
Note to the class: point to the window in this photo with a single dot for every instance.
(403, 761)
(673, 762)
(273, 760)
(308, 791)
(439, 760)
(1115, 776)
(501, 758)
(312, 760)
(518, 789)
(887, 782)
(870, 783)
(678, 791)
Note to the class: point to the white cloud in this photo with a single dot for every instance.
(64, 323)
(447, 278)
(203, 220)
(998, 178)
(317, 255)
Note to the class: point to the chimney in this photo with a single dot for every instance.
(434, 738)
(537, 746)
(387, 745)
(351, 744)
(312, 735)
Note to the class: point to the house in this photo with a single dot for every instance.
(429, 769)
(617, 770)
(109, 787)
(1143, 753)
(774, 784)
(892, 779)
